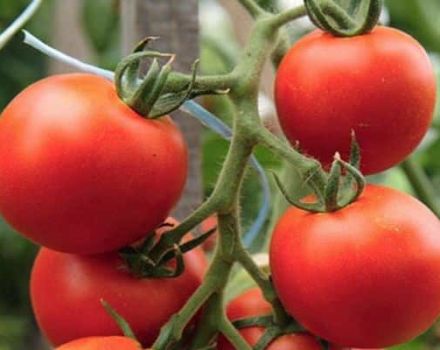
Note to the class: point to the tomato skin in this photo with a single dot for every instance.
(80, 172)
(101, 343)
(365, 276)
(381, 85)
(249, 304)
(66, 290)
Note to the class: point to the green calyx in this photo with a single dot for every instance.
(148, 95)
(153, 260)
(344, 18)
(344, 184)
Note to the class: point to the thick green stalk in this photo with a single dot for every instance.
(177, 82)
(243, 83)
(281, 318)
(287, 16)
(253, 8)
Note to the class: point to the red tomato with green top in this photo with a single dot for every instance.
(381, 85)
(101, 343)
(81, 172)
(66, 290)
(365, 276)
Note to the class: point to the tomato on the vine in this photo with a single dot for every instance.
(102, 343)
(66, 290)
(367, 275)
(81, 172)
(381, 85)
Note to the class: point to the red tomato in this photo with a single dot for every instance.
(381, 85)
(249, 304)
(367, 275)
(101, 343)
(80, 172)
(66, 290)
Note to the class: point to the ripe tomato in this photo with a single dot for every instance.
(249, 304)
(367, 275)
(381, 85)
(66, 290)
(101, 343)
(80, 172)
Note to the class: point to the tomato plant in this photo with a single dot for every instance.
(86, 169)
(364, 276)
(101, 343)
(66, 290)
(381, 85)
(80, 171)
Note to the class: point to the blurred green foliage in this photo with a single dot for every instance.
(20, 66)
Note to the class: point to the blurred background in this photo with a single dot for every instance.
(100, 31)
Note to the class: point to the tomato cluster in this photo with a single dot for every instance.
(368, 274)
(84, 175)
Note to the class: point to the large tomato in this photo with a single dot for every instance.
(80, 172)
(381, 85)
(66, 290)
(101, 343)
(367, 275)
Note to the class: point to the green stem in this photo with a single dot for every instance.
(208, 324)
(233, 335)
(262, 279)
(196, 217)
(177, 82)
(280, 49)
(226, 193)
(253, 8)
(421, 184)
(172, 331)
(307, 168)
(287, 16)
